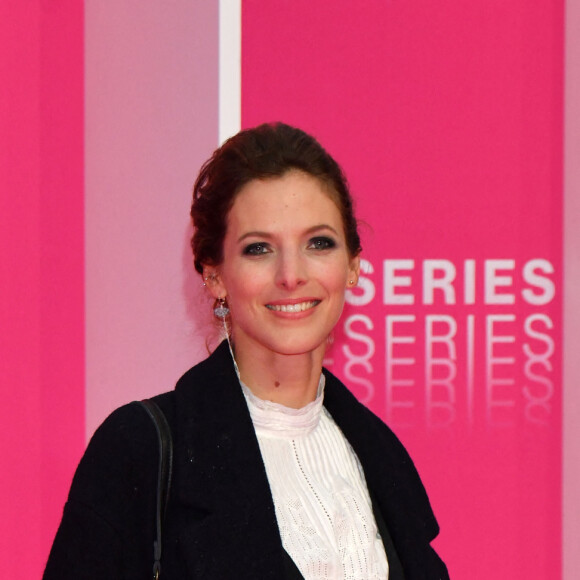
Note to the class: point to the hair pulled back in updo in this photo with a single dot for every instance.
(264, 152)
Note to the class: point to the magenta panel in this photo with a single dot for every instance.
(448, 120)
(42, 284)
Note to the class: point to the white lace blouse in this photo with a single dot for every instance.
(322, 503)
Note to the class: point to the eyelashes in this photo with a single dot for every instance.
(318, 243)
(321, 243)
(256, 249)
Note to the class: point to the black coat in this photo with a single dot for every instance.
(221, 521)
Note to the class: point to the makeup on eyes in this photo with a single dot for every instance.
(260, 247)
(319, 243)
(256, 249)
(322, 243)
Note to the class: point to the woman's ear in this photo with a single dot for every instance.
(353, 272)
(213, 282)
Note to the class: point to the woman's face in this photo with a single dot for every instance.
(286, 266)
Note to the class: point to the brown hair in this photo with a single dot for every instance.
(266, 151)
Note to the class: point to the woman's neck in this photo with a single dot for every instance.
(291, 380)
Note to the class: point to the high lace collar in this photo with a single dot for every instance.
(276, 420)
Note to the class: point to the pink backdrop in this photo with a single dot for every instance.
(448, 120)
(571, 414)
(41, 273)
(451, 139)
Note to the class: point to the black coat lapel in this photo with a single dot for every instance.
(395, 567)
(222, 491)
(398, 494)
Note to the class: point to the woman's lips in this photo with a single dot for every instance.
(294, 307)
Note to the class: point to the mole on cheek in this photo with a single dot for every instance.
(277, 384)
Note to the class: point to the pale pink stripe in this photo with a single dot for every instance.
(151, 120)
(571, 507)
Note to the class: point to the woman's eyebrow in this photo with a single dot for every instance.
(269, 235)
(320, 227)
(255, 234)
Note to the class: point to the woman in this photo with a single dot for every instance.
(278, 471)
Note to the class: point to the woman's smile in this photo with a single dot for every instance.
(295, 307)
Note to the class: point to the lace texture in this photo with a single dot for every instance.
(322, 503)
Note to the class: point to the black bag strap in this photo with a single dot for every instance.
(164, 474)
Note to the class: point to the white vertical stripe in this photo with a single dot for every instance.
(571, 402)
(230, 73)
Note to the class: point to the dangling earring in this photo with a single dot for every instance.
(221, 311)
(220, 308)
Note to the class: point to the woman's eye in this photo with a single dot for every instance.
(322, 243)
(256, 249)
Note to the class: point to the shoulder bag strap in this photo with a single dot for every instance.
(164, 474)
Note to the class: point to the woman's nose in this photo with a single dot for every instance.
(292, 271)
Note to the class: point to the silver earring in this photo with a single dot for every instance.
(220, 308)
(221, 311)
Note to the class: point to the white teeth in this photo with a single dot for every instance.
(293, 307)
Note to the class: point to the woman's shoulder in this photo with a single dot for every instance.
(126, 441)
(121, 454)
(130, 422)
(108, 520)
(387, 463)
(340, 401)
(129, 433)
